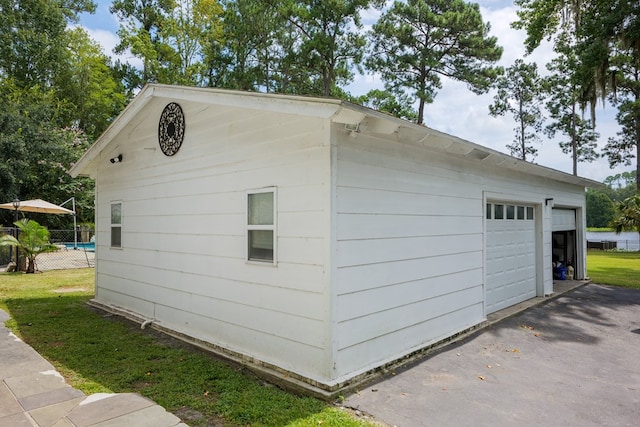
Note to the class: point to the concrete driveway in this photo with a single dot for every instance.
(573, 361)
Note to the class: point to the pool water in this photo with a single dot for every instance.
(89, 247)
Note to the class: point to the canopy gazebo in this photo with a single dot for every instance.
(42, 206)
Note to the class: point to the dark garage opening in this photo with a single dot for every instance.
(563, 253)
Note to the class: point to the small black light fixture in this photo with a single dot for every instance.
(548, 201)
(116, 159)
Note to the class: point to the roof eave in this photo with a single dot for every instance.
(364, 119)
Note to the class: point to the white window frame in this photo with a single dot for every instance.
(112, 224)
(272, 227)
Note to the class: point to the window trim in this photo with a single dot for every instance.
(113, 225)
(272, 227)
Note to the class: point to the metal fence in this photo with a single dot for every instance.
(608, 240)
(619, 245)
(75, 250)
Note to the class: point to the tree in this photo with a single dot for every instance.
(520, 93)
(382, 100)
(608, 46)
(621, 180)
(140, 25)
(36, 150)
(417, 42)
(625, 147)
(252, 48)
(91, 89)
(329, 44)
(190, 27)
(544, 19)
(563, 90)
(32, 39)
(33, 240)
(628, 216)
(600, 209)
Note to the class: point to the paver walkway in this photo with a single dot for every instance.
(34, 394)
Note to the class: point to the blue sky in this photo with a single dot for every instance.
(455, 110)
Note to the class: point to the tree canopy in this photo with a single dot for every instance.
(520, 93)
(607, 47)
(417, 42)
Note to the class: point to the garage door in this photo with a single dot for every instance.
(563, 219)
(510, 255)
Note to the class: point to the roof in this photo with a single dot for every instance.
(355, 118)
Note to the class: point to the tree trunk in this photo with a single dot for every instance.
(574, 143)
(523, 143)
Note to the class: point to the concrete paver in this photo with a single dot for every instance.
(572, 361)
(34, 394)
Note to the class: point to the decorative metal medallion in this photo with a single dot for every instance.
(171, 129)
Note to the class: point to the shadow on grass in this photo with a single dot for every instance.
(101, 353)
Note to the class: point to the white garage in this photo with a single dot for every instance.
(510, 255)
(314, 239)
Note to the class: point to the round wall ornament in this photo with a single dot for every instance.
(171, 129)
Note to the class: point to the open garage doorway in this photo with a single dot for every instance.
(564, 249)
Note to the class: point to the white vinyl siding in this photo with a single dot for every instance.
(409, 254)
(186, 223)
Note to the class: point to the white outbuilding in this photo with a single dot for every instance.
(313, 238)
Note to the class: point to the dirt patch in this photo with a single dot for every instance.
(191, 416)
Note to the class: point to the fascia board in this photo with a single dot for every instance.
(137, 104)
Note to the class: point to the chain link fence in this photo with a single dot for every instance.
(75, 250)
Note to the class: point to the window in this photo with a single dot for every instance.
(496, 211)
(529, 212)
(261, 225)
(116, 225)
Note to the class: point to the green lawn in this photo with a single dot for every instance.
(96, 352)
(614, 268)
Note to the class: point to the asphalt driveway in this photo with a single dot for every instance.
(572, 361)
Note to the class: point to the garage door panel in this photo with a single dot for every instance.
(510, 262)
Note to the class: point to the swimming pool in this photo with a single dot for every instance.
(89, 247)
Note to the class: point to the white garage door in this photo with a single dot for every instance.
(563, 219)
(510, 255)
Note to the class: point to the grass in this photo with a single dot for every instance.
(614, 268)
(96, 352)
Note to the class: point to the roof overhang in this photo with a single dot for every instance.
(355, 118)
(360, 119)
